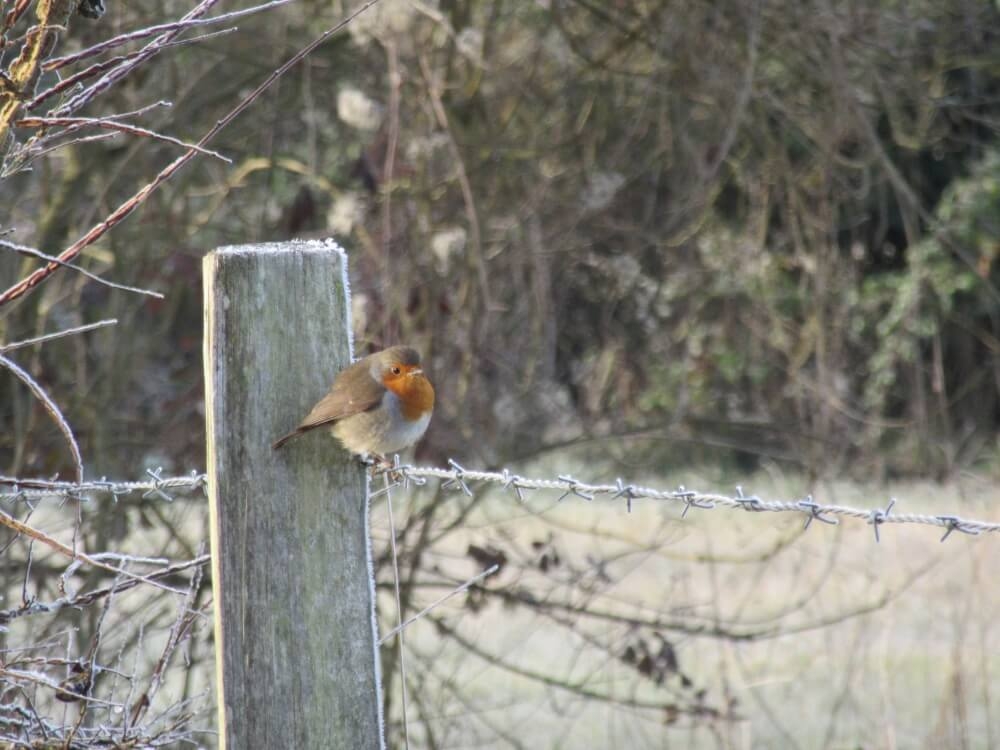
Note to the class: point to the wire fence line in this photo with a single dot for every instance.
(459, 478)
(13, 489)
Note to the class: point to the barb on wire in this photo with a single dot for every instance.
(954, 523)
(512, 481)
(157, 489)
(628, 492)
(572, 488)
(418, 481)
(456, 478)
(751, 503)
(877, 516)
(815, 512)
(459, 478)
(690, 500)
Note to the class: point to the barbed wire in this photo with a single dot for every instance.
(459, 478)
(13, 489)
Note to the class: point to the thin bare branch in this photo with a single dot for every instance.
(72, 124)
(104, 65)
(134, 36)
(24, 249)
(29, 531)
(438, 602)
(51, 408)
(56, 145)
(118, 73)
(57, 335)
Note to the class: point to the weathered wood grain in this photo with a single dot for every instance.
(294, 612)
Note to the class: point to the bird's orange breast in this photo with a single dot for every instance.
(415, 392)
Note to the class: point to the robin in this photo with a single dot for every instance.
(379, 405)
(78, 683)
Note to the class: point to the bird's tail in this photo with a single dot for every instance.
(282, 440)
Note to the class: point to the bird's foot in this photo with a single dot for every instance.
(375, 462)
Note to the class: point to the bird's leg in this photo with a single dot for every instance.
(375, 462)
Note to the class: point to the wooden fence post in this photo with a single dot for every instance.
(295, 635)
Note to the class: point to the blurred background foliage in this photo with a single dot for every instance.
(672, 234)
(678, 231)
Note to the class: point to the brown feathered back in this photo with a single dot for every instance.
(354, 390)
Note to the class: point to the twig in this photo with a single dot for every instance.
(51, 408)
(14, 15)
(577, 687)
(20, 78)
(471, 213)
(183, 622)
(100, 67)
(24, 249)
(53, 145)
(119, 72)
(438, 602)
(134, 36)
(29, 531)
(72, 124)
(57, 335)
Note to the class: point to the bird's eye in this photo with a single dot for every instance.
(396, 371)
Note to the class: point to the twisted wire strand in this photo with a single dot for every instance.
(459, 478)
(20, 489)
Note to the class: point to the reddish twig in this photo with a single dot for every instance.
(14, 14)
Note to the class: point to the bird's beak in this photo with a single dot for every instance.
(415, 371)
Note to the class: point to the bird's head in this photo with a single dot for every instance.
(399, 371)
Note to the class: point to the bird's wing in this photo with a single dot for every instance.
(353, 392)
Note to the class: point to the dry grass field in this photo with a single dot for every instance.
(834, 641)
